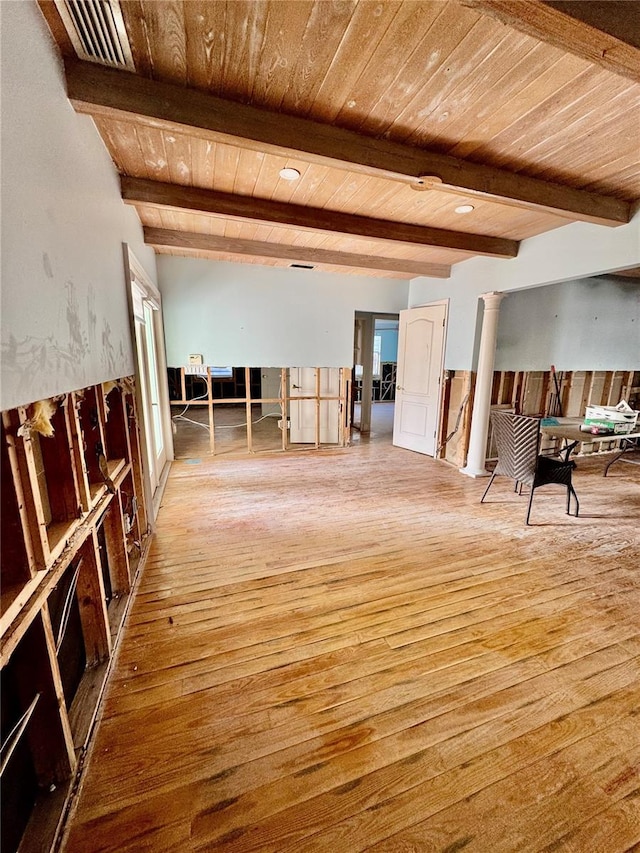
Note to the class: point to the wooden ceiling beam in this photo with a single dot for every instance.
(111, 93)
(550, 23)
(164, 238)
(228, 205)
(632, 273)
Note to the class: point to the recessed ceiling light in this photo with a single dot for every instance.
(289, 174)
(464, 208)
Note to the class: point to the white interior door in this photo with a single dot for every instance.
(302, 413)
(149, 386)
(153, 387)
(420, 361)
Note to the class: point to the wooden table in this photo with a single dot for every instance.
(569, 430)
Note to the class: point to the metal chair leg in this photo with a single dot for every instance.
(493, 476)
(573, 492)
(529, 506)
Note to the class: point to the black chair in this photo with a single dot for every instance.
(517, 439)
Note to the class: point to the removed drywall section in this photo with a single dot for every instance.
(243, 314)
(65, 321)
(576, 251)
(591, 324)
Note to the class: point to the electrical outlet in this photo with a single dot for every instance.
(195, 370)
(196, 359)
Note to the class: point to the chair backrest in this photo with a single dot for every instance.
(517, 438)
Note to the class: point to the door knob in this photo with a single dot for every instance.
(399, 388)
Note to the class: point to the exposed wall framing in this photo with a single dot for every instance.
(74, 529)
(284, 400)
(534, 393)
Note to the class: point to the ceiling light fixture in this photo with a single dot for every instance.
(464, 208)
(289, 174)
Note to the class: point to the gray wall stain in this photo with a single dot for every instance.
(122, 356)
(78, 345)
(30, 358)
(26, 360)
(46, 263)
(107, 354)
(92, 317)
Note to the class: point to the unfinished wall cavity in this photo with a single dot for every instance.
(533, 393)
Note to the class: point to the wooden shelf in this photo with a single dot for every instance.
(58, 535)
(115, 467)
(72, 508)
(83, 708)
(14, 598)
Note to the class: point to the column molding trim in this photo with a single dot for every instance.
(476, 455)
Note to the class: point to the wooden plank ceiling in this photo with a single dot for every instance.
(394, 113)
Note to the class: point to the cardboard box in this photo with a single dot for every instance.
(615, 418)
(615, 427)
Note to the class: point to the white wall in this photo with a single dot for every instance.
(575, 251)
(254, 316)
(64, 307)
(590, 324)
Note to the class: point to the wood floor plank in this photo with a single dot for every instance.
(519, 811)
(470, 727)
(478, 738)
(386, 800)
(304, 668)
(617, 828)
(520, 683)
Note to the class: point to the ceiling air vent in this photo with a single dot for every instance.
(97, 30)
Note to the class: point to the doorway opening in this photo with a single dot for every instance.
(375, 358)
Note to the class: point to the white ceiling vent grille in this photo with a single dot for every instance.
(97, 30)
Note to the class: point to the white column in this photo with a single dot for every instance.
(484, 381)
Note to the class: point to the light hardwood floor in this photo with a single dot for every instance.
(343, 651)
